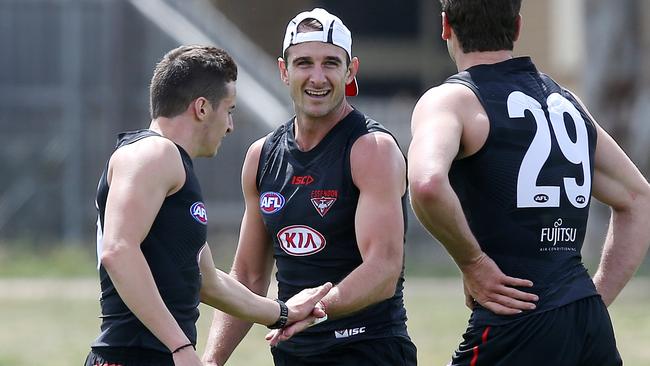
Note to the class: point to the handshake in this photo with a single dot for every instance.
(300, 312)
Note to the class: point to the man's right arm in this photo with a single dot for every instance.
(252, 266)
(138, 187)
(438, 130)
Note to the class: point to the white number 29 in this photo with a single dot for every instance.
(529, 194)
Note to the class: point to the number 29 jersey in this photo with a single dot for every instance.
(526, 192)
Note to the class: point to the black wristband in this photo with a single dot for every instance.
(183, 346)
(284, 316)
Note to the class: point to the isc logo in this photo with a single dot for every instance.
(198, 212)
(345, 333)
(271, 202)
(300, 240)
(302, 179)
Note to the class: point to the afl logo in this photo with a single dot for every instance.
(541, 198)
(300, 240)
(198, 212)
(271, 202)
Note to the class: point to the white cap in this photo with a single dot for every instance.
(334, 32)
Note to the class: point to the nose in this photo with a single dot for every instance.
(231, 124)
(317, 77)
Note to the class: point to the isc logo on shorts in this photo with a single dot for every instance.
(198, 212)
(271, 202)
(345, 333)
(300, 240)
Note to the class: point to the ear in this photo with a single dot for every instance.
(446, 28)
(353, 68)
(284, 72)
(200, 107)
(517, 27)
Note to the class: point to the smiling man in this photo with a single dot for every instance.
(325, 198)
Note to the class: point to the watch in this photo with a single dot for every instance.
(284, 316)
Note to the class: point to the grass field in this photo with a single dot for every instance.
(53, 321)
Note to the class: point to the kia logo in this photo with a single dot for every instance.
(300, 240)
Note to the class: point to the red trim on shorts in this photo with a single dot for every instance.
(475, 349)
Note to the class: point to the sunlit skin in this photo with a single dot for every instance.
(218, 122)
(316, 74)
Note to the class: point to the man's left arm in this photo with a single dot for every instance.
(619, 184)
(379, 172)
(223, 292)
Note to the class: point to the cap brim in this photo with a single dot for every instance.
(352, 89)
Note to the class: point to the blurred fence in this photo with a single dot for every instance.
(73, 73)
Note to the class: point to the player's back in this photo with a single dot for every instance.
(526, 192)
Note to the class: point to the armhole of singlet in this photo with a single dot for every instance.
(263, 159)
(462, 81)
(382, 129)
(471, 86)
(185, 170)
(371, 127)
(178, 148)
(145, 134)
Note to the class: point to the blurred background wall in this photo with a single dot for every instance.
(73, 73)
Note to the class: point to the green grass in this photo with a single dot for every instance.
(21, 260)
(53, 322)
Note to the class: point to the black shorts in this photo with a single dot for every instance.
(577, 334)
(116, 356)
(394, 351)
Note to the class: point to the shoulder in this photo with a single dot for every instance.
(375, 158)
(255, 149)
(448, 95)
(372, 138)
(150, 149)
(251, 162)
(447, 102)
(149, 158)
(375, 142)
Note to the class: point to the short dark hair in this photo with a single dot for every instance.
(483, 25)
(186, 73)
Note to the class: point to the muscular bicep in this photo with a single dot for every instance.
(616, 179)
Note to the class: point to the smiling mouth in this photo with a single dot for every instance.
(317, 93)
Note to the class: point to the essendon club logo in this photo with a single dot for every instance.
(302, 180)
(271, 202)
(199, 213)
(300, 240)
(323, 200)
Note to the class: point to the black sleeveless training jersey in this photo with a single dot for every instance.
(171, 249)
(526, 192)
(308, 202)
